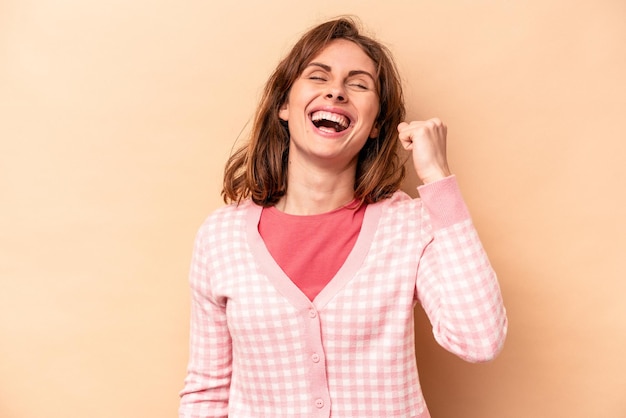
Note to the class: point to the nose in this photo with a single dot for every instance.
(336, 92)
(338, 97)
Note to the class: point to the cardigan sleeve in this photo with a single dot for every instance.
(206, 390)
(456, 284)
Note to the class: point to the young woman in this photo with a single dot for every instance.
(304, 284)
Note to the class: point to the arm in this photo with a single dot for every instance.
(455, 282)
(207, 384)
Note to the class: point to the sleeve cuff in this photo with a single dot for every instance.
(444, 202)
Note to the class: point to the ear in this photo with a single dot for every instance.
(283, 113)
(375, 131)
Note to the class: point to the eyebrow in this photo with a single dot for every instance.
(350, 74)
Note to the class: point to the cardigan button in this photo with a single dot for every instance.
(316, 358)
(319, 403)
(312, 313)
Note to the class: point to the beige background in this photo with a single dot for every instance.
(117, 116)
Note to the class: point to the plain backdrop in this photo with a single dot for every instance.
(116, 118)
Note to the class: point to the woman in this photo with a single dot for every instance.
(304, 284)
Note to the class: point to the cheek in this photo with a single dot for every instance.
(371, 104)
(372, 113)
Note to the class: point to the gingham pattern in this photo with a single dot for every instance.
(260, 348)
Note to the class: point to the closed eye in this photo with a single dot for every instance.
(359, 86)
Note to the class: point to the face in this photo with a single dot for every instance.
(332, 107)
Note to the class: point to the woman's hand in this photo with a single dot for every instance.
(427, 142)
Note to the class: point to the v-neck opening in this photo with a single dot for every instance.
(346, 272)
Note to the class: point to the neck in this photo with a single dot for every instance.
(311, 192)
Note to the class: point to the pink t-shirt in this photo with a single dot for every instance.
(311, 249)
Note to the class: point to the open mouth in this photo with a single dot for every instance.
(330, 122)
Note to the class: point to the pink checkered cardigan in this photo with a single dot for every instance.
(260, 348)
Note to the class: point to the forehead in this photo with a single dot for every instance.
(344, 54)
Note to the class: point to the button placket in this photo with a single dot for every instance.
(320, 396)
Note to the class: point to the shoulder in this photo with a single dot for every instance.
(400, 211)
(400, 220)
(401, 202)
(228, 218)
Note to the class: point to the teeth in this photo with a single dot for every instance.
(341, 120)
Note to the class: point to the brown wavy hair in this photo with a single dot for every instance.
(259, 168)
